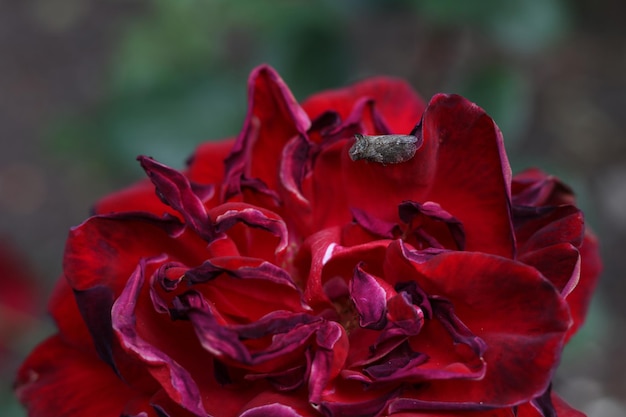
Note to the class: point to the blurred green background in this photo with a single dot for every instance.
(86, 86)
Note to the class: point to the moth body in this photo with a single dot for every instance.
(384, 149)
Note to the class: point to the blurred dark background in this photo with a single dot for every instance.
(86, 86)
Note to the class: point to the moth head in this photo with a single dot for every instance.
(359, 148)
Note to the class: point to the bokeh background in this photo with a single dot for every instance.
(87, 85)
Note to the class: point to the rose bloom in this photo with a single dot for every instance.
(275, 276)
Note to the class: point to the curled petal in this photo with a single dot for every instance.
(176, 191)
(369, 299)
(175, 380)
(375, 226)
(295, 166)
(534, 188)
(410, 211)
(460, 333)
(590, 269)
(271, 404)
(239, 267)
(227, 215)
(273, 118)
(559, 263)
(539, 227)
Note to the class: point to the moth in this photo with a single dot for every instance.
(384, 149)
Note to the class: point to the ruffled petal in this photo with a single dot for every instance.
(535, 188)
(176, 191)
(228, 215)
(175, 379)
(590, 269)
(205, 168)
(518, 314)
(273, 118)
(394, 99)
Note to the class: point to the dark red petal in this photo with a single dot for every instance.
(501, 412)
(104, 250)
(57, 379)
(205, 168)
(375, 226)
(314, 254)
(405, 318)
(590, 269)
(95, 305)
(67, 316)
(242, 268)
(176, 191)
(271, 404)
(266, 287)
(535, 188)
(417, 216)
(472, 175)
(273, 118)
(294, 167)
(227, 215)
(225, 342)
(394, 99)
(370, 299)
(272, 410)
(175, 380)
(330, 356)
(537, 228)
(559, 263)
(349, 399)
(518, 314)
(559, 409)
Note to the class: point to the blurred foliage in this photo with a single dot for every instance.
(520, 26)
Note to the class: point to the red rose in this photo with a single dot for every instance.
(293, 281)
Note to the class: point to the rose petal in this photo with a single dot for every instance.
(410, 212)
(348, 399)
(559, 263)
(330, 356)
(535, 188)
(227, 215)
(375, 226)
(271, 404)
(537, 228)
(175, 380)
(369, 299)
(176, 191)
(472, 175)
(518, 314)
(590, 269)
(273, 118)
(57, 379)
(394, 99)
